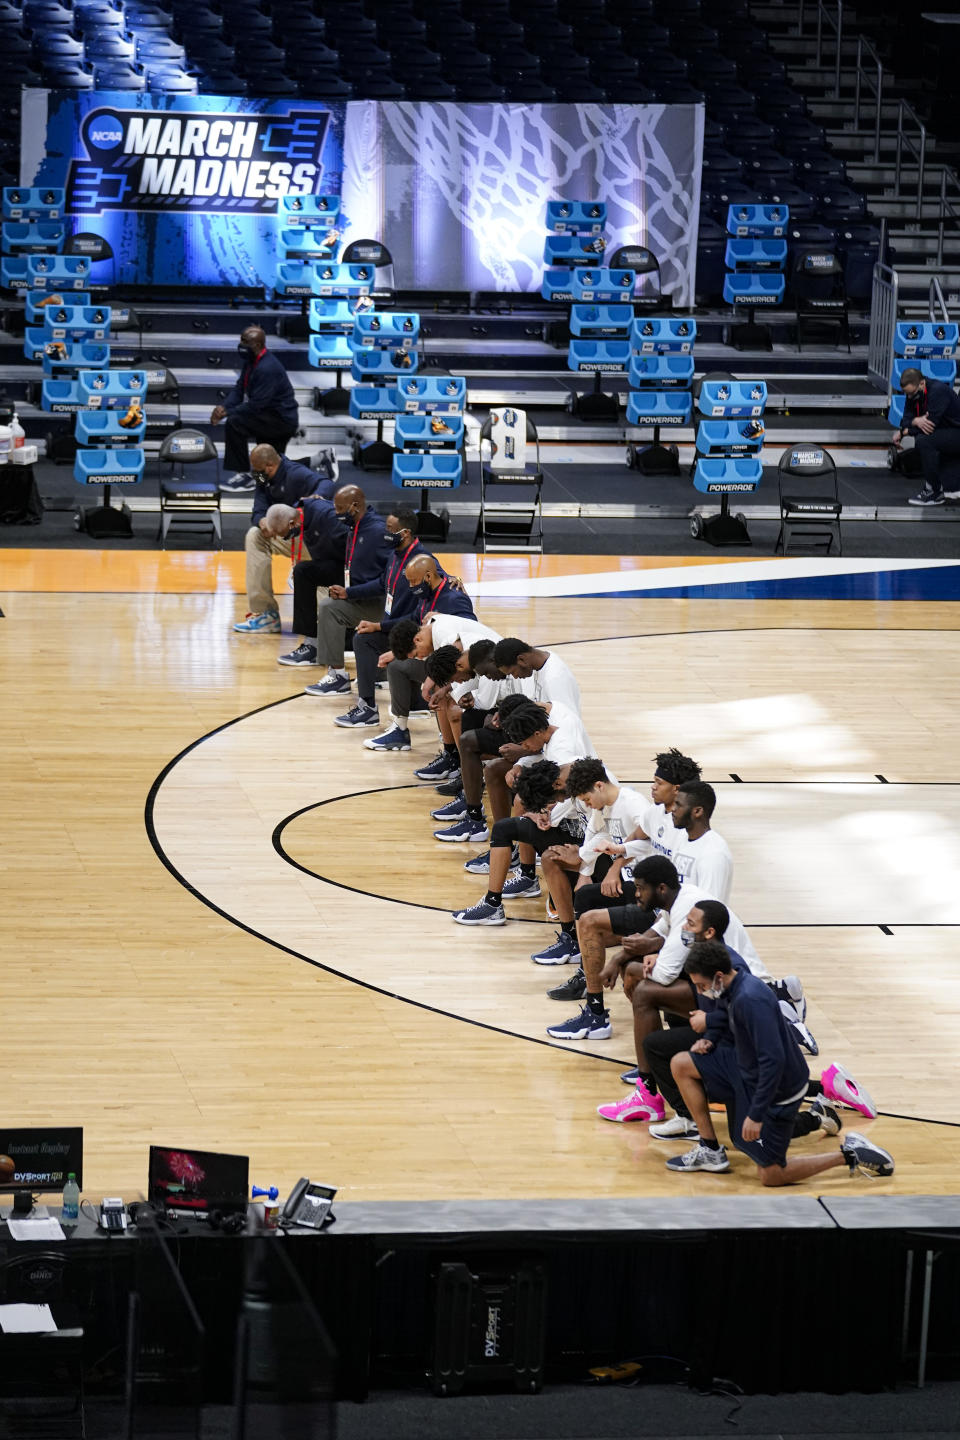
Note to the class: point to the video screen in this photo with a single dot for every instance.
(40, 1159)
(198, 1180)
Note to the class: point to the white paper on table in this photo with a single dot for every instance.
(46, 1228)
(26, 1319)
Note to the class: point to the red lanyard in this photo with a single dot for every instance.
(424, 611)
(298, 540)
(248, 373)
(393, 578)
(353, 546)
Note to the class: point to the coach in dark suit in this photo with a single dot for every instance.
(260, 407)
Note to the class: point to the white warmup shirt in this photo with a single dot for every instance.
(706, 863)
(555, 683)
(670, 924)
(614, 822)
(569, 741)
(448, 629)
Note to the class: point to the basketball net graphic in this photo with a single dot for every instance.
(496, 166)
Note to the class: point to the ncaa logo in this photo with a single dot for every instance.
(104, 131)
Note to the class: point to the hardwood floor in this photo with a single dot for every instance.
(135, 1009)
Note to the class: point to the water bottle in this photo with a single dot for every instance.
(70, 1209)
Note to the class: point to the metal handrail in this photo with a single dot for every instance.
(919, 152)
(884, 304)
(937, 305)
(836, 25)
(948, 209)
(863, 44)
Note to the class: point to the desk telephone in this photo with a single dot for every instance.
(309, 1205)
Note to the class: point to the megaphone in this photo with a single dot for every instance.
(272, 1194)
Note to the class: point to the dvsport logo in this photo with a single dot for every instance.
(203, 162)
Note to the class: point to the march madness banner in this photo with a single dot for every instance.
(184, 187)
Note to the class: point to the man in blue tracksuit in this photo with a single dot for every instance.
(368, 552)
(314, 528)
(931, 414)
(279, 481)
(761, 1077)
(261, 407)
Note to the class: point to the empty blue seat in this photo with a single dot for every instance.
(576, 217)
(601, 285)
(173, 83)
(600, 319)
(600, 357)
(419, 471)
(114, 76)
(109, 45)
(332, 315)
(299, 242)
(426, 395)
(895, 412)
(313, 211)
(373, 402)
(757, 221)
(732, 399)
(752, 290)
(108, 389)
(294, 278)
(341, 280)
(754, 254)
(727, 477)
(659, 407)
(428, 432)
(729, 437)
(66, 355)
(120, 466)
(330, 352)
(573, 250)
(916, 340)
(375, 329)
(76, 322)
(37, 302)
(60, 272)
(61, 397)
(661, 372)
(663, 335)
(945, 370)
(38, 202)
(557, 285)
(106, 428)
(374, 366)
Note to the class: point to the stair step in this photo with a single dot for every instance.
(830, 109)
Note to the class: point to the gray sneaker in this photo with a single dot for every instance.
(701, 1158)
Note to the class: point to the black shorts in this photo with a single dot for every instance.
(721, 1074)
(631, 919)
(473, 719)
(488, 741)
(591, 897)
(519, 830)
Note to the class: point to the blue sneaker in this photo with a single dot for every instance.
(585, 1026)
(630, 1077)
(266, 624)
(455, 810)
(467, 830)
(392, 739)
(441, 767)
(305, 654)
(481, 914)
(330, 685)
(521, 887)
(359, 717)
(563, 951)
(480, 864)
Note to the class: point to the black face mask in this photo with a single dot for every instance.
(247, 351)
(396, 538)
(350, 518)
(422, 591)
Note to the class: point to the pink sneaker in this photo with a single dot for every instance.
(639, 1105)
(840, 1086)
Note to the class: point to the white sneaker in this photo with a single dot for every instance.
(701, 1158)
(678, 1127)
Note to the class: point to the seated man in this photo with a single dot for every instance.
(313, 525)
(279, 481)
(546, 821)
(435, 594)
(700, 855)
(653, 982)
(367, 554)
(761, 1077)
(552, 678)
(261, 407)
(931, 414)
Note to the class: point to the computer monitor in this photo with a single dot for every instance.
(197, 1180)
(39, 1160)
